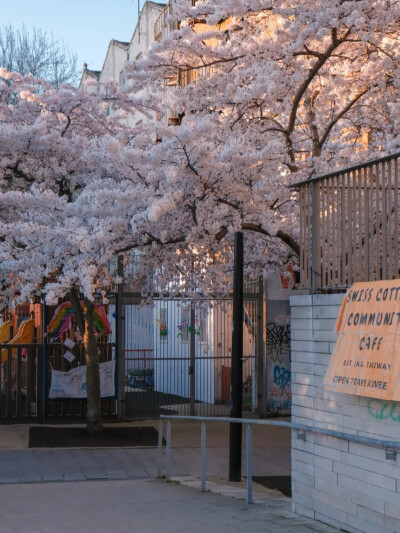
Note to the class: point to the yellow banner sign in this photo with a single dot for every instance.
(366, 358)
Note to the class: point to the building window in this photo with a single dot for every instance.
(185, 324)
(162, 324)
(202, 325)
(121, 78)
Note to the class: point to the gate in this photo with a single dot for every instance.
(178, 356)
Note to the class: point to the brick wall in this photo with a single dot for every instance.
(351, 486)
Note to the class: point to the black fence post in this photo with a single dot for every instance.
(120, 343)
(235, 437)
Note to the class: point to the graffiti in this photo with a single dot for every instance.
(276, 392)
(383, 410)
(278, 341)
(281, 377)
(279, 400)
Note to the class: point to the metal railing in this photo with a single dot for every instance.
(350, 225)
(391, 447)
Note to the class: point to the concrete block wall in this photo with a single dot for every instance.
(350, 486)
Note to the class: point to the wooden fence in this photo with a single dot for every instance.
(349, 225)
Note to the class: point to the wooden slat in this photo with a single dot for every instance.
(308, 236)
(323, 234)
(360, 230)
(341, 229)
(366, 224)
(336, 233)
(349, 229)
(396, 219)
(327, 248)
(389, 194)
(372, 239)
(316, 234)
(384, 232)
(301, 242)
(309, 232)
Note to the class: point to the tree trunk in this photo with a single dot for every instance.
(85, 322)
(94, 422)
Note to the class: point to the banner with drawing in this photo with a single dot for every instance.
(72, 384)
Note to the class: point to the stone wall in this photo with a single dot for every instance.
(351, 486)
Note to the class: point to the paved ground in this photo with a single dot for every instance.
(18, 463)
(147, 506)
(115, 490)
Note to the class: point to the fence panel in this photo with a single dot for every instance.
(21, 382)
(178, 358)
(350, 231)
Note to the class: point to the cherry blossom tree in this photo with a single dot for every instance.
(66, 200)
(264, 94)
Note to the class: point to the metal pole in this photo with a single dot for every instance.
(44, 362)
(203, 457)
(192, 379)
(260, 360)
(235, 437)
(249, 464)
(168, 452)
(160, 433)
(120, 342)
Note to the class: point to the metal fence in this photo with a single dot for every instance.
(178, 357)
(175, 358)
(349, 225)
(21, 379)
(28, 359)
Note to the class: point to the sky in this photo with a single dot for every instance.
(85, 26)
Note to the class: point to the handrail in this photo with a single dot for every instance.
(390, 446)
